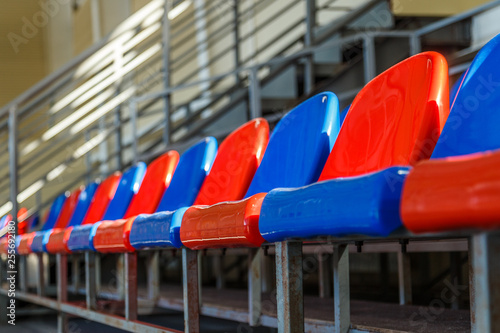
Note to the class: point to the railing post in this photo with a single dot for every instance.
(369, 58)
(166, 69)
(133, 123)
(309, 42)
(236, 31)
(254, 93)
(415, 45)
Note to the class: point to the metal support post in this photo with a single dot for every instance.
(90, 280)
(75, 263)
(118, 134)
(120, 276)
(218, 262)
(415, 45)
(254, 93)
(132, 106)
(484, 284)
(131, 285)
(404, 278)
(290, 297)
(341, 297)
(190, 290)
(166, 69)
(369, 58)
(254, 286)
(22, 273)
(236, 31)
(325, 275)
(309, 42)
(40, 283)
(153, 266)
(62, 290)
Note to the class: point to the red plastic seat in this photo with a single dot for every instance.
(110, 235)
(237, 160)
(58, 239)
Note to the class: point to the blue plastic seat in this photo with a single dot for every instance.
(383, 133)
(81, 236)
(295, 155)
(162, 228)
(84, 201)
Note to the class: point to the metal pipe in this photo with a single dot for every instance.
(254, 94)
(166, 69)
(62, 291)
(341, 296)
(370, 70)
(309, 41)
(190, 290)
(131, 286)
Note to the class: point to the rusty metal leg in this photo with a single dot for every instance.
(324, 275)
(131, 285)
(341, 297)
(90, 280)
(404, 278)
(62, 290)
(40, 283)
(254, 286)
(153, 268)
(120, 276)
(190, 290)
(484, 286)
(289, 296)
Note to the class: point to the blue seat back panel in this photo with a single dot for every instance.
(299, 145)
(472, 125)
(54, 212)
(84, 201)
(367, 205)
(129, 185)
(189, 175)
(157, 230)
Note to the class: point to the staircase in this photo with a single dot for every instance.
(228, 61)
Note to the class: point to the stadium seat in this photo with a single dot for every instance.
(23, 242)
(110, 235)
(149, 230)
(459, 188)
(85, 213)
(295, 155)
(80, 238)
(41, 237)
(393, 123)
(237, 159)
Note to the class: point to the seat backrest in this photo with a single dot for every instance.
(157, 178)
(193, 167)
(54, 211)
(103, 195)
(237, 159)
(475, 113)
(68, 209)
(395, 119)
(129, 185)
(299, 145)
(82, 206)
